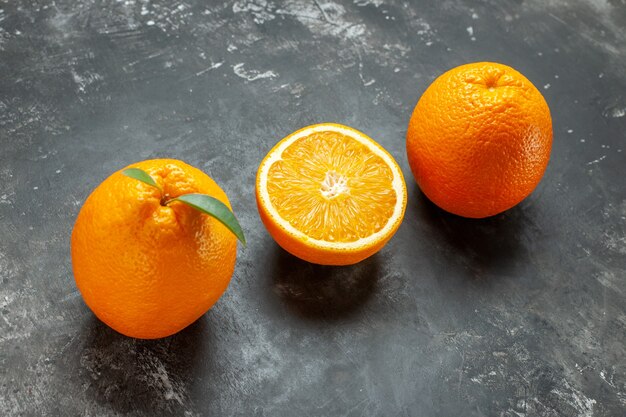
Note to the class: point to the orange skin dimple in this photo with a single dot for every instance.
(479, 139)
(145, 269)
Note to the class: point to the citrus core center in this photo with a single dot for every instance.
(334, 185)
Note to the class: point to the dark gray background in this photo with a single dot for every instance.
(522, 314)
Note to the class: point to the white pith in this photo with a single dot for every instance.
(334, 184)
(397, 184)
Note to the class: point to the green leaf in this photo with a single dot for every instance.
(141, 175)
(213, 207)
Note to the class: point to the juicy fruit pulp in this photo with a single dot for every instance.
(332, 188)
(330, 195)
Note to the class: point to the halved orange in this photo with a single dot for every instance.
(330, 195)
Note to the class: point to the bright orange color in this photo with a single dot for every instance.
(145, 269)
(330, 195)
(479, 139)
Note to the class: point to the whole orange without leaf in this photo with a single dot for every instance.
(145, 268)
(330, 195)
(479, 139)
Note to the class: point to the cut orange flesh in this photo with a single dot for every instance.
(330, 195)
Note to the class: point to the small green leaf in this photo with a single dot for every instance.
(141, 175)
(213, 207)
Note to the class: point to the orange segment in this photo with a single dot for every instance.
(342, 193)
(330, 195)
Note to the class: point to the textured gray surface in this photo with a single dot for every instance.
(522, 314)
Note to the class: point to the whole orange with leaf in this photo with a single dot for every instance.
(147, 263)
(479, 139)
